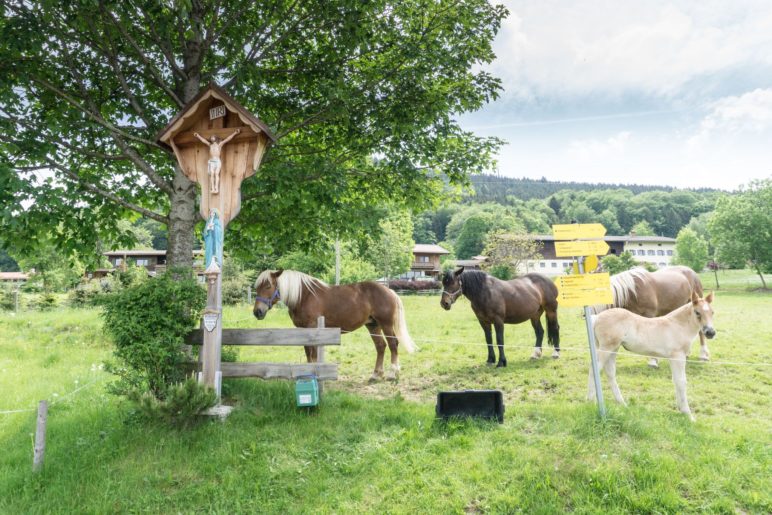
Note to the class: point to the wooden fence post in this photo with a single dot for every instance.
(40, 437)
(320, 353)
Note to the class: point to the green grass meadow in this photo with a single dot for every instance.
(377, 448)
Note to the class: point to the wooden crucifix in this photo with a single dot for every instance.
(218, 144)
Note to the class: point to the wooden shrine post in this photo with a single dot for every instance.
(218, 144)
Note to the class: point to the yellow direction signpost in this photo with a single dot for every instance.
(581, 289)
(578, 231)
(584, 289)
(581, 248)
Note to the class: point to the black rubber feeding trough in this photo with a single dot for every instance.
(471, 403)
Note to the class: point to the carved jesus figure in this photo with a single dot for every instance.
(215, 162)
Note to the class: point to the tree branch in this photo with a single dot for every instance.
(106, 194)
(96, 117)
(148, 64)
(112, 57)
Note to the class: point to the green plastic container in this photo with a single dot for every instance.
(307, 392)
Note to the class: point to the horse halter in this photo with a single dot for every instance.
(456, 294)
(270, 301)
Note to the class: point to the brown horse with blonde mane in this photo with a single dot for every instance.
(496, 302)
(348, 306)
(654, 294)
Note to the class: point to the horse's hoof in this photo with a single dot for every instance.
(653, 363)
(490, 363)
(501, 364)
(556, 355)
(375, 378)
(704, 358)
(536, 353)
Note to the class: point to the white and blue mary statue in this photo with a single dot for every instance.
(213, 239)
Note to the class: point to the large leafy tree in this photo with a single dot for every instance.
(512, 250)
(362, 97)
(741, 227)
(691, 250)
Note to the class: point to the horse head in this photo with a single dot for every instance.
(703, 313)
(266, 292)
(451, 288)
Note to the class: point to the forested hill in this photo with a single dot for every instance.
(495, 188)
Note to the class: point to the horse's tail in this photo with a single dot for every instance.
(400, 326)
(550, 306)
(553, 329)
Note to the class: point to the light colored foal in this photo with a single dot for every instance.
(669, 337)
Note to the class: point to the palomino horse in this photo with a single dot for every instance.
(348, 306)
(654, 294)
(500, 302)
(668, 337)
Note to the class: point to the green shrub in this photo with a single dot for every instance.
(46, 300)
(235, 283)
(234, 290)
(85, 294)
(7, 297)
(503, 272)
(132, 275)
(180, 405)
(147, 323)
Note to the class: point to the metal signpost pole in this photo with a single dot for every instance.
(593, 353)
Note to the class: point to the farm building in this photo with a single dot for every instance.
(153, 260)
(426, 262)
(13, 277)
(657, 250)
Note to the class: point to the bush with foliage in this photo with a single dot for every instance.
(503, 272)
(147, 323)
(616, 264)
(46, 300)
(402, 284)
(235, 283)
(132, 275)
(8, 297)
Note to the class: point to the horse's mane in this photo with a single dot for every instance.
(473, 283)
(622, 288)
(623, 285)
(291, 284)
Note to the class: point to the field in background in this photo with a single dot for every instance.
(377, 448)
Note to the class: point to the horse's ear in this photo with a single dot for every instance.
(695, 297)
(710, 297)
(277, 273)
(458, 271)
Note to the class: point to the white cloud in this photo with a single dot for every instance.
(735, 115)
(590, 149)
(554, 47)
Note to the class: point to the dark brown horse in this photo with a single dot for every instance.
(500, 302)
(348, 306)
(655, 294)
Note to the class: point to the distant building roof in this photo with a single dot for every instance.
(428, 248)
(150, 252)
(624, 239)
(468, 262)
(13, 276)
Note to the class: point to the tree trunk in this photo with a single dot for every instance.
(761, 275)
(183, 216)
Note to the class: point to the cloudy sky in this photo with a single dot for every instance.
(650, 91)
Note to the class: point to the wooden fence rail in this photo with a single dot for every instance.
(313, 337)
(322, 371)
